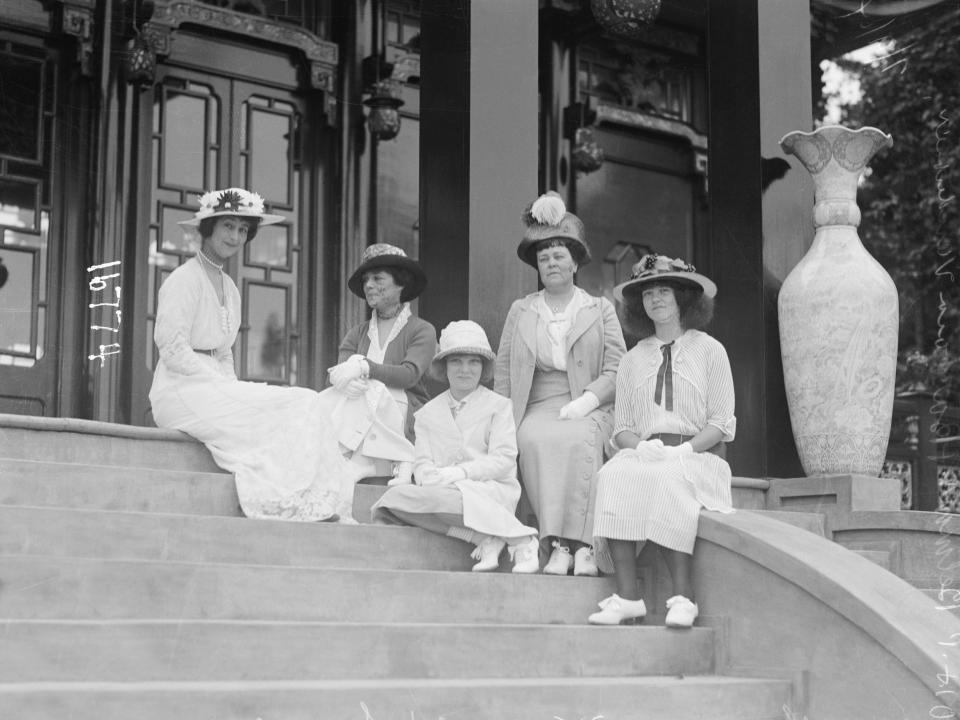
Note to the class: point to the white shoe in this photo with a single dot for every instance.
(584, 562)
(681, 612)
(614, 610)
(526, 556)
(488, 553)
(560, 560)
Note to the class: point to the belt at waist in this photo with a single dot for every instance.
(211, 353)
(720, 449)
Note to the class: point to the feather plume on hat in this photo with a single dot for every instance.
(548, 209)
(547, 218)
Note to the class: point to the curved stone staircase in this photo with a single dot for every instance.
(131, 588)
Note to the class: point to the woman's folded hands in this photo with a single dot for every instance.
(441, 476)
(656, 451)
(347, 371)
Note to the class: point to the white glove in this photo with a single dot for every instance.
(581, 407)
(355, 388)
(441, 477)
(450, 475)
(349, 369)
(673, 451)
(651, 450)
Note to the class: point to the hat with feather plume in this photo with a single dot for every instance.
(546, 218)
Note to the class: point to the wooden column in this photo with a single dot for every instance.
(478, 156)
(759, 86)
(503, 154)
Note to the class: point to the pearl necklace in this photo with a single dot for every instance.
(209, 262)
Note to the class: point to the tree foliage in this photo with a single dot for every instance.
(911, 218)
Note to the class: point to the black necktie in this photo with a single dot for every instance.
(663, 394)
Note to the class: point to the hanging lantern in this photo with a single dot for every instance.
(627, 18)
(383, 120)
(139, 60)
(587, 155)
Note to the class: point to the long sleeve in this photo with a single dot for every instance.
(614, 347)
(720, 393)
(625, 415)
(350, 345)
(224, 358)
(501, 456)
(178, 302)
(419, 353)
(501, 369)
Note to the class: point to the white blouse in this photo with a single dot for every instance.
(552, 330)
(190, 317)
(702, 388)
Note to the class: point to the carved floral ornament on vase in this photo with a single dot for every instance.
(839, 316)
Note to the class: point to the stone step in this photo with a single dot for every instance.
(180, 650)
(196, 539)
(112, 487)
(42, 588)
(652, 698)
(88, 442)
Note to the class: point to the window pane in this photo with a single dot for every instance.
(270, 136)
(184, 141)
(177, 238)
(270, 247)
(16, 301)
(266, 339)
(19, 202)
(22, 82)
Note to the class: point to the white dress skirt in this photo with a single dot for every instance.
(661, 501)
(276, 441)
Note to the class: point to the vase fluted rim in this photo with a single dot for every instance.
(840, 130)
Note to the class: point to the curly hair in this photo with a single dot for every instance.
(696, 309)
(577, 251)
(206, 226)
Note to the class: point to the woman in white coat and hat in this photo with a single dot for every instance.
(466, 453)
(277, 441)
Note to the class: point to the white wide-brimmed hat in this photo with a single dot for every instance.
(462, 337)
(232, 201)
(660, 267)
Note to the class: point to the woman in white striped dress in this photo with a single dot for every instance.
(674, 412)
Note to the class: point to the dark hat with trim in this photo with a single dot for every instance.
(659, 267)
(546, 218)
(384, 255)
(232, 201)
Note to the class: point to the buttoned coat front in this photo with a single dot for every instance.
(595, 346)
(482, 441)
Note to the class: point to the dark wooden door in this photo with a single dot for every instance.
(214, 130)
(30, 237)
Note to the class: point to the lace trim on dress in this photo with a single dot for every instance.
(308, 505)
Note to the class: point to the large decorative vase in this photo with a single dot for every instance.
(839, 316)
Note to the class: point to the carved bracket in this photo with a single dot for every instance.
(77, 21)
(321, 56)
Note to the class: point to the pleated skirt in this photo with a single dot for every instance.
(658, 501)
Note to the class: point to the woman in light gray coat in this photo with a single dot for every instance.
(557, 362)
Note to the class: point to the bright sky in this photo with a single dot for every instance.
(843, 88)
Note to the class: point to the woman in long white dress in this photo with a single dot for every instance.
(275, 440)
(674, 412)
(466, 460)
